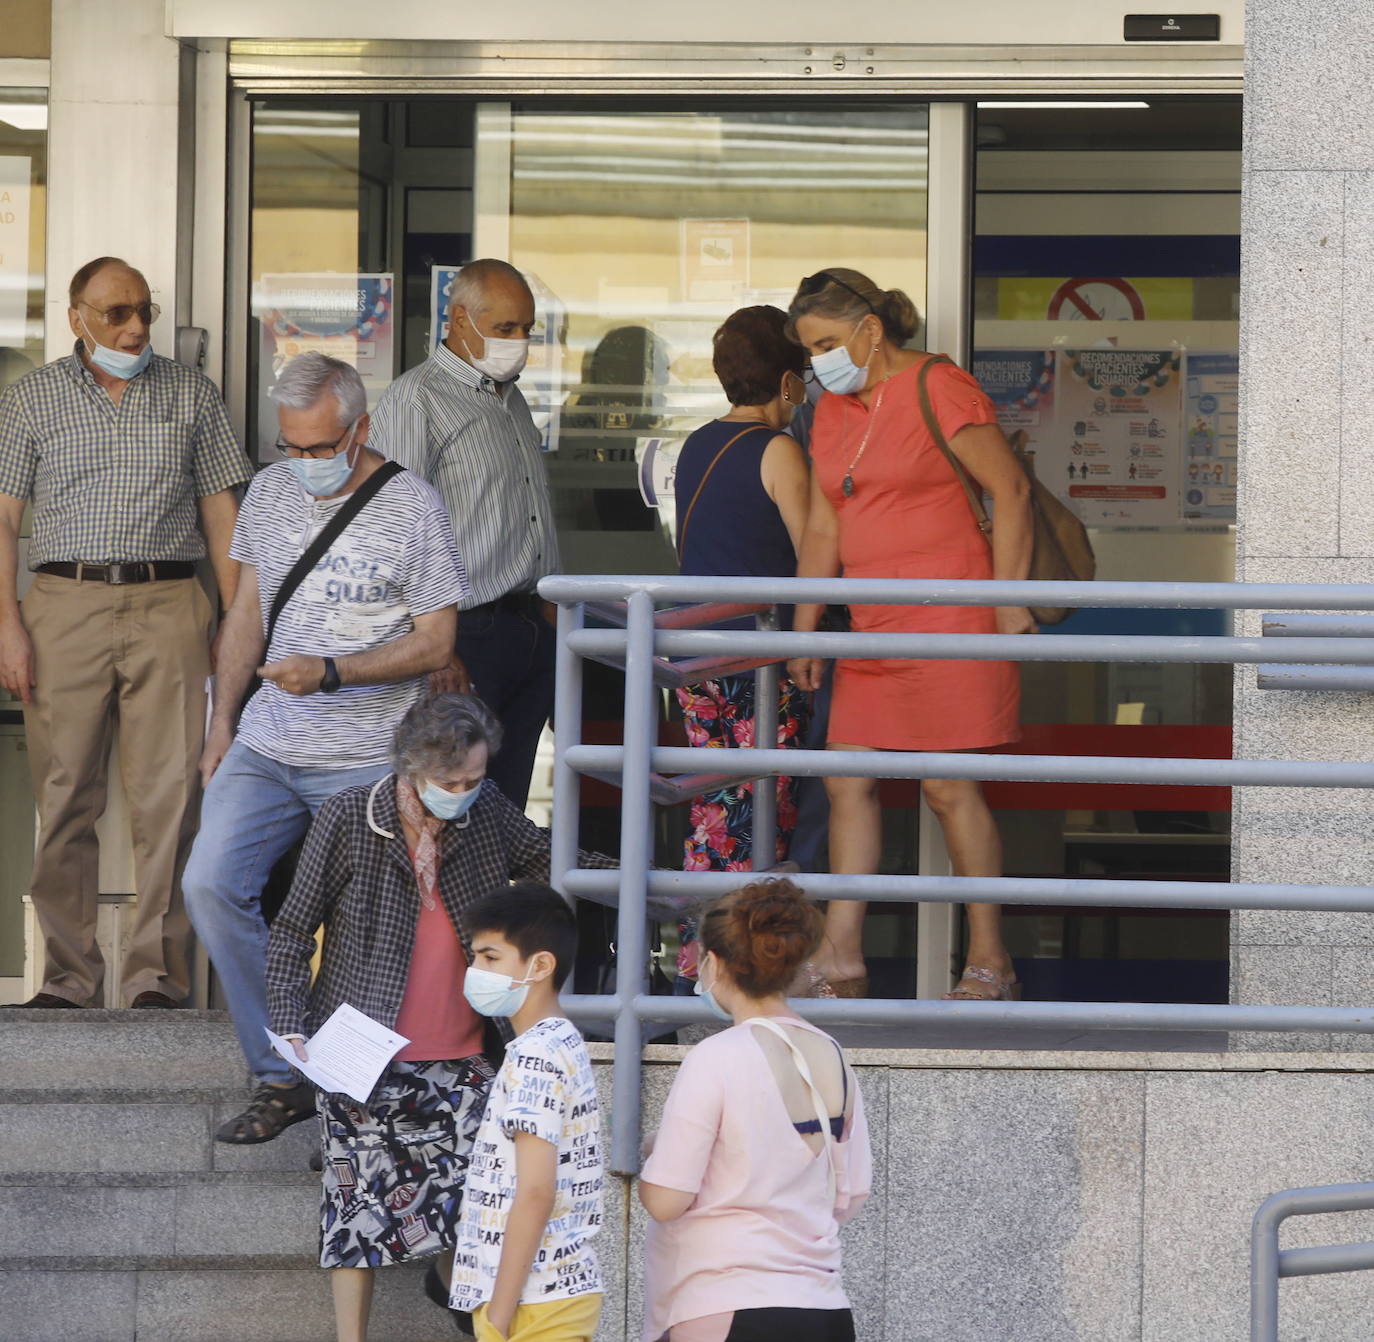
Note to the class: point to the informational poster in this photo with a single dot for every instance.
(541, 383)
(1021, 385)
(1211, 435)
(14, 249)
(349, 317)
(715, 259)
(1119, 443)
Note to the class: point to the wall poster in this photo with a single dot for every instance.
(1211, 405)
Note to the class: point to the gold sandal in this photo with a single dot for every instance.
(1005, 987)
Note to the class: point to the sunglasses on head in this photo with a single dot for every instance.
(813, 284)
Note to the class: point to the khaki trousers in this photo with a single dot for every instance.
(137, 655)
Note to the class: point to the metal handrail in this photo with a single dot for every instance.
(1268, 1263)
(640, 761)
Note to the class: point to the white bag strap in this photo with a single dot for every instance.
(817, 1099)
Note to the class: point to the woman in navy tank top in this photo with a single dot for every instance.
(742, 488)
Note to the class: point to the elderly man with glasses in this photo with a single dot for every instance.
(133, 472)
(346, 601)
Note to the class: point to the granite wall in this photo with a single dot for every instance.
(1075, 1197)
(1306, 475)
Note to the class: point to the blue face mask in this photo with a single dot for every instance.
(447, 805)
(117, 362)
(836, 371)
(492, 994)
(323, 476)
(709, 998)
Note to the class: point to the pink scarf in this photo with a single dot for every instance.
(425, 854)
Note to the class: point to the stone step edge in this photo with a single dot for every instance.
(107, 1016)
(64, 1179)
(150, 1095)
(286, 1262)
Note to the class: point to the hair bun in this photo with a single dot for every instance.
(763, 931)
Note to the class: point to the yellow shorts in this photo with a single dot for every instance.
(570, 1320)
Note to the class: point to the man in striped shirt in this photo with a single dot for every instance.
(347, 659)
(460, 421)
(133, 471)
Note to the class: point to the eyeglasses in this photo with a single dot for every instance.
(319, 451)
(813, 284)
(123, 313)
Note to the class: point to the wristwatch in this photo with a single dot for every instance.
(331, 681)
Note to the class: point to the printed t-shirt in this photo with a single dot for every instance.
(394, 561)
(763, 1232)
(545, 1087)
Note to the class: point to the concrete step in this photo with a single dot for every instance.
(132, 1222)
(119, 1050)
(154, 1304)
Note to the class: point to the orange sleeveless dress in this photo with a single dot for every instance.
(909, 518)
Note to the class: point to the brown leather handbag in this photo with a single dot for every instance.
(1062, 551)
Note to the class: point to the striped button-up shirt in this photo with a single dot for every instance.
(475, 442)
(356, 877)
(111, 483)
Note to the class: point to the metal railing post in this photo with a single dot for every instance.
(765, 851)
(631, 976)
(567, 733)
(1264, 1270)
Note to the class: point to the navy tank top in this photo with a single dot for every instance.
(736, 529)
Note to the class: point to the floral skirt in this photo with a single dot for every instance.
(394, 1168)
(719, 714)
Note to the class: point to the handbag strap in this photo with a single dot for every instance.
(315, 551)
(975, 495)
(691, 507)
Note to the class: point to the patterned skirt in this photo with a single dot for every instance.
(394, 1168)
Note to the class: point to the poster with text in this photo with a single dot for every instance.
(1118, 445)
(541, 383)
(1211, 400)
(1021, 385)
(348, 317)
(14, 250)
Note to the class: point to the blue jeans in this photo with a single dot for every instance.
(254, 810)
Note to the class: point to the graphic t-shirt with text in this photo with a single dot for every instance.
(395, 560)
(545, 1088)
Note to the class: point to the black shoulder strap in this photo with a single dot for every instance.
(315, 551)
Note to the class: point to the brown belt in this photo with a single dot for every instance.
(119, 574)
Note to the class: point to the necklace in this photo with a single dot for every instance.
(848, 484)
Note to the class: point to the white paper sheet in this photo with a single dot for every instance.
(346, 1054)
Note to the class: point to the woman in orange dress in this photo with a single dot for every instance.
(885, 503)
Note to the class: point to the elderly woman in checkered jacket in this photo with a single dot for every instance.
(388, 870)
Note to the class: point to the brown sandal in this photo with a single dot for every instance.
(273, 1110)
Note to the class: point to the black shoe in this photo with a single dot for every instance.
(438, 1293)
(152, 1000)
(44, 1002)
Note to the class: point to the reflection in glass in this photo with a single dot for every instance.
(23, 215)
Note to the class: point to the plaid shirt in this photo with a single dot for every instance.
(361, 885)
(114, 483)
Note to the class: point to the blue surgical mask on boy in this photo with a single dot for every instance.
(836, 371)
(492, 994)
(708, 997)
(447, 805)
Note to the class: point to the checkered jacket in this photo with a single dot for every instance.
(355, 876)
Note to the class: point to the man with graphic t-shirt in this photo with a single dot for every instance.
(348, 655)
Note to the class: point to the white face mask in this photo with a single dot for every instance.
(836, 370)
(501, 359)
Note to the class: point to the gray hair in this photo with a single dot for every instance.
(309, 377)
(438, 732)
(469, 285)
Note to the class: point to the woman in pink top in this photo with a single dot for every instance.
(763, 1150)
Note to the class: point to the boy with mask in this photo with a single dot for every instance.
(524, 1262)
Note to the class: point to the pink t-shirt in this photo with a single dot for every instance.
(762, 1232)
(434, 1014)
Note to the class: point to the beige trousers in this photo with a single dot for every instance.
(137, 655)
